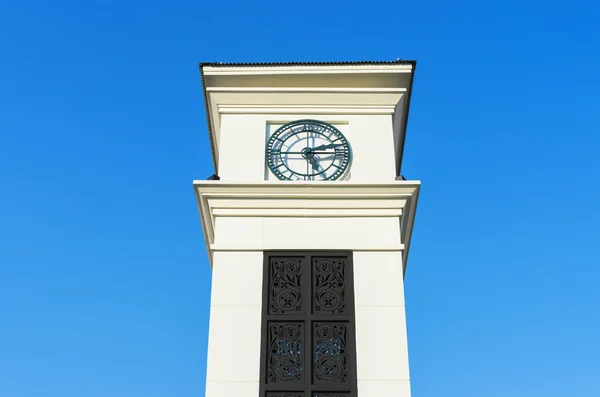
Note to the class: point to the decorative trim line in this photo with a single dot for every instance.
(316, 109)
(305, 89)
(300, 212)
(221, 248)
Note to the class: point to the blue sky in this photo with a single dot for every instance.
(104, 280)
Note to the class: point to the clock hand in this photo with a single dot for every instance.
(314, 163)
(308, 151)
(329, 146)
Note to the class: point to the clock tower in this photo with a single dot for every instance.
(307, 224)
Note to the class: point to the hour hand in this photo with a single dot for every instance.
(328, 146)
(314, 163)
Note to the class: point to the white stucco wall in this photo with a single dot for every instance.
(233, 367)
(243, 138)
(235, 320)
(381, 343)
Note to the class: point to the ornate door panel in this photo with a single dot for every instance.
(308, 344)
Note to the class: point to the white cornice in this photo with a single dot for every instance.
(333, 69)
(307, 200)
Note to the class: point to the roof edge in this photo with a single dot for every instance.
(330, 63)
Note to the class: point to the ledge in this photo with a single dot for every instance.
(219, 247)
(305, 199)
(224, 70)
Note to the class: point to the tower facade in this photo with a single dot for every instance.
(307, 227)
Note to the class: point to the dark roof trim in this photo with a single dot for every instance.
(250, 64)
(259, 64)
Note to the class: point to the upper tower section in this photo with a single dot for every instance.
(307, 121)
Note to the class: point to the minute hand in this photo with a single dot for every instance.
(329, 146)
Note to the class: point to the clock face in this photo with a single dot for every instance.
(308, 150)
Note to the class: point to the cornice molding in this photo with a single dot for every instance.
(331, 69)
(305, 199)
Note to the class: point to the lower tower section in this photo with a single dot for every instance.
(307, 294)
